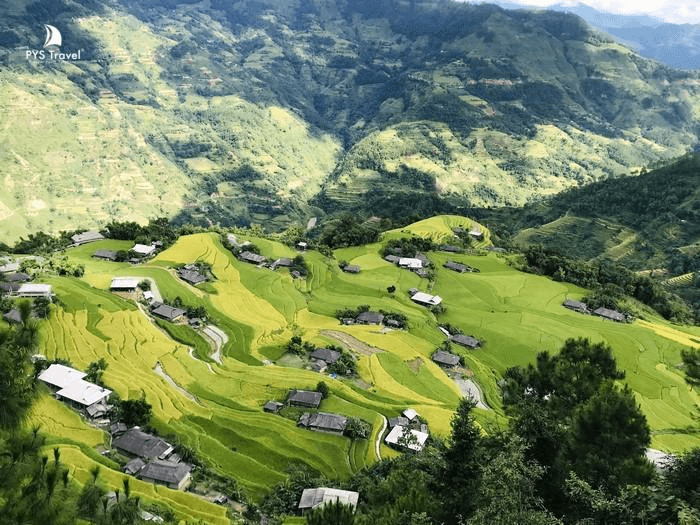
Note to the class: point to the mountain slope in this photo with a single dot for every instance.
(265, 111)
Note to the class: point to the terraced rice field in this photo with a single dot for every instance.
(516, 315)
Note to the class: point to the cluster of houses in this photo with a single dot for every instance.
(375, 318)
(152, 459)
(318, 421)
(605, 313)
(474, 232)
(139, 251)
(407, 431)
(322, 358)
(191, 274)
(459, 267)
(68, 385)
(17, 284)
(417, 264)
(262, 262)
(158, 309)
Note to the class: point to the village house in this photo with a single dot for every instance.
(450, 248)
(85, 237)
(369, 318)
(410, 263)
(13, 317)
(144, 250)
(252, 258)
(10, 267)
(426, 299)
(305, 398)
(68, 384)
(476, 233)
(396, 437)
(273, 407)
(191, 276)
(169, 313)
(318, 497)
(9, 288)
(282, 262)
(124, 284)
(612, 315)
(446, 359)
(324, 422)
(400, 421)
(325, 354)
(351, 268)
(136, 443)
(392, 259)
(134, 466)
(465, 340)
(58, 376)
(18, 277)
(35, 290)
(173, 475)
(577, 306)
(108, 255)
(410, 414)
(456, 267)
(302, 246)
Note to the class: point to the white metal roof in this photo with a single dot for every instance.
(60, 375)
(124, 282)
(397, 432)
(425, 298)
(410, 414)
(35, 289)
(148, 295)
(312, 498)
(9, 267)
(83, 392)
(410, 262)
(144, 249)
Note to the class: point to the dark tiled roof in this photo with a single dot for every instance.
(457, 267)
(445, 358)
(138, 443)
(191, 276)
(392, 258)
(576, 305)
(9, 287)
(13, 316)
(370, 318)
(105, 254)
(351, 268)
(134, 466)
(449, 248)
(305, 398)
(610, 314)
(165, 471)
(167, 312)
(324, 421)
(17, 277)
(283, 262)
(251, 257)
(84, 237)
(326, 354)
(465, 340)
(398, 422)
(272, 406)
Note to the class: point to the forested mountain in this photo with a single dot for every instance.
(274, 112)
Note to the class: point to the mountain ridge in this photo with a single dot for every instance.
(240, 114)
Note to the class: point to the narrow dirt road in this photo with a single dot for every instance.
(470, 389)
(378, 444)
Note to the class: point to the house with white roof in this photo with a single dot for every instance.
(143, 250)
(318, 497)
(60, 376)
(35, 290)
(411, 263)
(405, 437)
(124, 284)
(426, 299)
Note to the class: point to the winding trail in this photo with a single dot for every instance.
(191, 352)
(158, 369)
(219, 338)
(378, 443)
(470, 389)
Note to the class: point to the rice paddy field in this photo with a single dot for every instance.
(217, 408)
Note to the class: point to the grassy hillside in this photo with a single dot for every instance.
(264, 112)
(218, 408)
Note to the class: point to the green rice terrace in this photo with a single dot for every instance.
(217, 408)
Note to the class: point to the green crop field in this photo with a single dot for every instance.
(217, 409)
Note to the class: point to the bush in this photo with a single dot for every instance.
(323, 389)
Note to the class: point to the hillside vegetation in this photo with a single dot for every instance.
(217, 408)
(274, 112)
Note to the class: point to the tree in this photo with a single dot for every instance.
(17, 383)
(357, 429)
(88, 504)
(145, 285)
(95, 370)
(391, 289)
(133, 412)
(691, 362)
(460, 477)
(333, 513)
(323, 389)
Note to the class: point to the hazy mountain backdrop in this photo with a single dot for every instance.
(272, 112)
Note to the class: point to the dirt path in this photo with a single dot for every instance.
(351, 343)
(470, 389)
(378, 444)
(219, 338)
(159, 370)
(191, 352)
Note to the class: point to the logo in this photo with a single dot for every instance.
(52, 48)
(53, 37)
